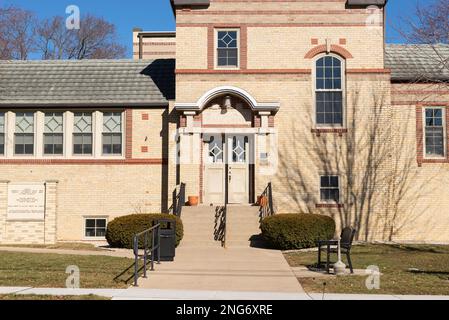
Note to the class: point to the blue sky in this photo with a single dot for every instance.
(156, 15)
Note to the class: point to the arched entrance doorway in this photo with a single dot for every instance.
(225, 124)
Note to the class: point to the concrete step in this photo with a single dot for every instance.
(200, 244)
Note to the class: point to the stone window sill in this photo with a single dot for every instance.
(329, 205)
(320, 131)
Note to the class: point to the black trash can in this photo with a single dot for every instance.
(167, 239)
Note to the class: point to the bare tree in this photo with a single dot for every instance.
(16, 33)
(427, 34)
(96, 39)
(377, 167)
(21, 33)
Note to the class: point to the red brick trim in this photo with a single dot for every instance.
(420, 103)
(210, 47)
(83, 161)
(256, 121)
(144, 149)
(314, 41)
(420, 135)
(243, 47)
(323, 48)
(145, 116)
(276, 25)
(248, 71)
(271, 121)
(129, 133)
(182, 121)
(275, 12)
(149, 44)
(329, 205)
(156, 53)
(362, 70)
(339, 131)
(342, 41)
(226, 126)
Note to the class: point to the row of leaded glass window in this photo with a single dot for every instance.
(54, 133)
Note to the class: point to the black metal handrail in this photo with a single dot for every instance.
(267, 207)
(155, 233)
(179, 199)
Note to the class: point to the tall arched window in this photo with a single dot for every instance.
(329, 91)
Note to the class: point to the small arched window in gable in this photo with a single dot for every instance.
(329, 93)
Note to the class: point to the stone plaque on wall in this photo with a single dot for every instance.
(26, 201)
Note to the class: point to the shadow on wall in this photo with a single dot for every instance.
(162, 72)
(376, 164)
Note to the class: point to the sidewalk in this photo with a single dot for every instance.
(155, 294)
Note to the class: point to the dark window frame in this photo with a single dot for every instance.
(329, 91)
(434, 129)
(98, 230)
(330, 189)
(227, 48)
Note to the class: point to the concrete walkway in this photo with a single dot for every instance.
(233, 269)
(120, 253)
(154, 294)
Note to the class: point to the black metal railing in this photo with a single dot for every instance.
(220, 224)
(266, 202)
(179, 199)
(149, 242)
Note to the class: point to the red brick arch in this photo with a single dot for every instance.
(323, 48)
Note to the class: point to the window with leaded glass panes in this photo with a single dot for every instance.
(227, 48)
(2, 133)
(434, 132)
(24, 133)
(329, 91)
(112, 133)
(330, 189)
(53, 133)
(82, 133)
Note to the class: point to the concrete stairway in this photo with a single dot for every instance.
(242, 226)
(199, 227)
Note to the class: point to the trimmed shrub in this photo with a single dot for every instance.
(120, 232)
(297, 231)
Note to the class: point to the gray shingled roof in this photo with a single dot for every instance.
(87, 83)
(417, 62)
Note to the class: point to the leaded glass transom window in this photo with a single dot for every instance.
(434, 131)
(2, 133)
(24, 133)
(215, 150)
(227, 48)
(239, 149)
(53, 133)
(82, 133)
(329, 91)
(112, 133)
(330, 189)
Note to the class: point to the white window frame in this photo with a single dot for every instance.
(339, 189)
(123, 129)
(64, 146)
(68, 118)
(5, 134)
(444, 124)
(343, 124)
(35, 135)
(216, 49)
(85, 218)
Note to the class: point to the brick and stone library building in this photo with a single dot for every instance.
(304, 95)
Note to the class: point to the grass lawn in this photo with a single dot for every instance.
(61, 245)
(48, 270)
(43, 297)
(394, 262)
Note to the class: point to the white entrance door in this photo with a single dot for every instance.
(227, 161)
(214, 170)
(238, 151)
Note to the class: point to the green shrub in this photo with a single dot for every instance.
(297, 231)
(121, 230)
